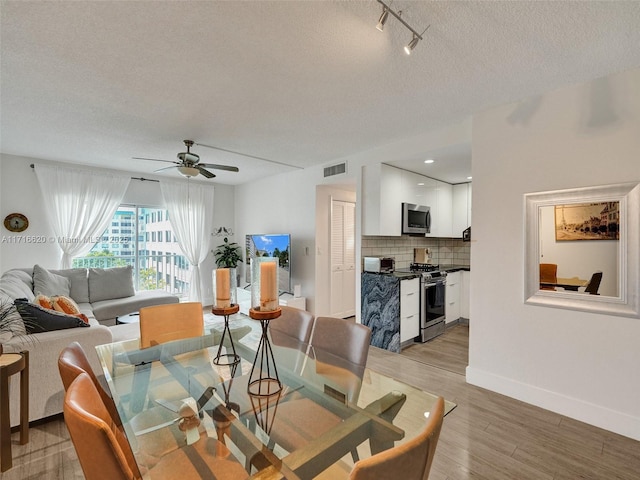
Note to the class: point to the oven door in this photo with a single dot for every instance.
(432, 309)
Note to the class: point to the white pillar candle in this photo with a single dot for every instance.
(223, 294)
(268, 286)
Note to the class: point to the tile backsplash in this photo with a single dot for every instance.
(444, 251)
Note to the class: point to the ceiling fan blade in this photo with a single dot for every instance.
(204, 172)
(247, 155)
(154, 159)
(166, 168)
(228, 168)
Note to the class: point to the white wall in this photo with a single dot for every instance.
(582, 365)
(19, 192)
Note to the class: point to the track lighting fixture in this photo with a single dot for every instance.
(386, 10)
(383, 18)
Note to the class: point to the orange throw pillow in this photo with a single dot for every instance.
(43, 301)
(67, 305)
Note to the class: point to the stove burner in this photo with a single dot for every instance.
(424, 267)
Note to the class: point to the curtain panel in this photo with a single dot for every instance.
(190, 207)
(79, 205)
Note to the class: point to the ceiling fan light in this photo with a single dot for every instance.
(411, 45)
(188, 171)
(383, 19)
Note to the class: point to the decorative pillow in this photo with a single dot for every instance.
(43, 301)
(79, 281)
(67, 305)
(17, 284)
(109, 283)
(44, 320)
(48, 283)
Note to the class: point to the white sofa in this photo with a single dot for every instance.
(91, 290)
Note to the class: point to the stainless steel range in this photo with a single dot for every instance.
(432, 300)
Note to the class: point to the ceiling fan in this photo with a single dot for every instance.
(189, 163)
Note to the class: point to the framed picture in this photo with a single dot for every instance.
(588, 221)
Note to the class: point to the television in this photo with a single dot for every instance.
(271, 245)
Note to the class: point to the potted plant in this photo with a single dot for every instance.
(228, 254)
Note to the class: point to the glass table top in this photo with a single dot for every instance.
(309, 415)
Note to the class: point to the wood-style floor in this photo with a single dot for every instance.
(488, 436)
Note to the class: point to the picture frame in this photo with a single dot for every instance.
(587, 221)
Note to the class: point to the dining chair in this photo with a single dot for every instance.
(292, 331)
(411, 460)
(340, 348)
(548, 274)
(104, 451)
(164, 323)
(102, 448)
(73, 361)
(594, 284)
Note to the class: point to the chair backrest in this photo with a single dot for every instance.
(410, 460)
(99, 443)
(341, 346)
(594, 284)
(292, 328)
(72, 362)
(165, 323)
(548, 274)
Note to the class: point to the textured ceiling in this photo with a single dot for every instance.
(297, 82)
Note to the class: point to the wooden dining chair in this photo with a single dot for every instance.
(164, 323)
(548, 274)
(594, 284)
(411, 460)
(73, 361)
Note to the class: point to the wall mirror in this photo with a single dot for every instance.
(582, 249)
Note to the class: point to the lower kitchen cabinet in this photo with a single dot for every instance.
(452, 298)
(409, 310)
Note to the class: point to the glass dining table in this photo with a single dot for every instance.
(192, 398)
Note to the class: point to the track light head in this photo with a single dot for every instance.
(411, 45)
(383, 18)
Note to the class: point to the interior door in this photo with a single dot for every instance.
(343, 268)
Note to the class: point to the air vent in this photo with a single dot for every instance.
(335, 169)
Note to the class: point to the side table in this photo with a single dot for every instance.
(10, 364)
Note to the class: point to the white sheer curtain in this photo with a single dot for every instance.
(79, 205)
(190, 207)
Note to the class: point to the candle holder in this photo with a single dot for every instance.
(264, 283)
(225, 304)
(263, 379)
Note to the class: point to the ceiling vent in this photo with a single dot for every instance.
(337, 169)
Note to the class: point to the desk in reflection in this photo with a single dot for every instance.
(571, 284)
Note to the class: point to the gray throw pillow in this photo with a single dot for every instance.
(38, 319)
(109, 283)
(79, 283)
(47, 283)
(17, 284)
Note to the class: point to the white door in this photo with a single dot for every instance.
(343, 256)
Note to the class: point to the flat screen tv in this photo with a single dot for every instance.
(271, 245)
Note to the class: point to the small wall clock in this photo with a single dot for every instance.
(16, 222)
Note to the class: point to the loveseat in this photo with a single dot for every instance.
(100, 294)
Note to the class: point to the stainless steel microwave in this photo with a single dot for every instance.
(416, 219)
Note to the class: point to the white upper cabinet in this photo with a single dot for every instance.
(385, 188)
(461, 208)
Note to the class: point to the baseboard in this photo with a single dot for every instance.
(599, 416)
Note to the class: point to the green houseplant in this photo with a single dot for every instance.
(228, 254)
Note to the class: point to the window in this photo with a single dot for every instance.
(167, 270)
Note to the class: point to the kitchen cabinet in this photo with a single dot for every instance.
(452, 297)
(385, 188)
(464, 295)
(461, 208)
(409, 310)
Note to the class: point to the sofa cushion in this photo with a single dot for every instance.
(40, 319)
(17, 284)
(47, 283)
(79, 281)
(108, 309)
(110, 283)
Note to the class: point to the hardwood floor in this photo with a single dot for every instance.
(487, 436)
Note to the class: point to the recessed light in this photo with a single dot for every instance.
(469, 178)
(429, 161)
(421, 184)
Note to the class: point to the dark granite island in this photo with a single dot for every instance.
(381, 309)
